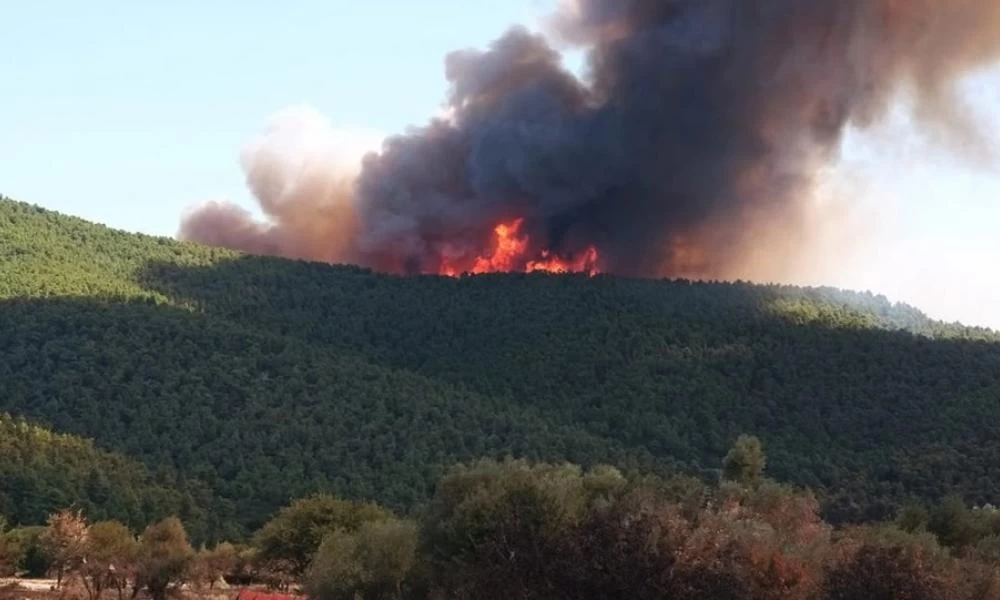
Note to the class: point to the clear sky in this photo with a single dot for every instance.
(128, 112)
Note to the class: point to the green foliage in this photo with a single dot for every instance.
(372, 562)
(44, 472)
(9, 554)
(545, 531)
(243, 382)
(542, 531)
(952, 523)
(497, 518)
(164, 555)
(294, 535)
(913, 517)
(988, 548)
(111, 554)
(26, 552)
(745, 461)
(955, 525)
(110, 542)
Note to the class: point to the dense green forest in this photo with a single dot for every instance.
(40, 469)
(260, 379)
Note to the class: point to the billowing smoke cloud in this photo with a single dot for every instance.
(302, 171)
(692, 148)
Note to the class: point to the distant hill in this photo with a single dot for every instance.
(265, 379)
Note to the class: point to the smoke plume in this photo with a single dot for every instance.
(692, 147)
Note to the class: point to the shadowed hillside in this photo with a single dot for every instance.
(268, 379)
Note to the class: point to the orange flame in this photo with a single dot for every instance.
(508, 255)
(585, 263)
(509, 248)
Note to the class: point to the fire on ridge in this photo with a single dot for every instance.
(509, 253)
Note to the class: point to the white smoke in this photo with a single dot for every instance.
(301, 171)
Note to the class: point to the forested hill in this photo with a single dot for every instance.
(41, 470)
(265, 379)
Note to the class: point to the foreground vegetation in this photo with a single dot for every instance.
(248, 381)
(501, 530)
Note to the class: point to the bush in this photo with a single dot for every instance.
(372, 562)
(888, 564)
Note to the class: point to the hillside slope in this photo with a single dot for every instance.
(43, 472)
(268, 378)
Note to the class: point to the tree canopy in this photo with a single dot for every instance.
(43, 471)
(294, 535)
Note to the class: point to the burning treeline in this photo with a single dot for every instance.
(695, 140)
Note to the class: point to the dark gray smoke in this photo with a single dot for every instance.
(694, 140)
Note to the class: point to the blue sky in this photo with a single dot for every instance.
(129, 112)
(125, 112)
